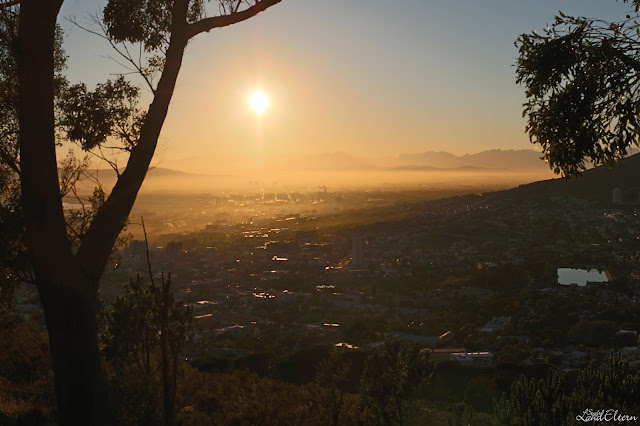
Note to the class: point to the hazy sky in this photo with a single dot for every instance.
(368, 77)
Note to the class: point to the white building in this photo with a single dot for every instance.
(495, 324)
(474, 359)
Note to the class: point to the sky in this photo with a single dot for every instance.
(370, 78)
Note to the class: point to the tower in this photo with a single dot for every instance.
(357, 252)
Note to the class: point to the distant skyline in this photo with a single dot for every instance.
(370, 78)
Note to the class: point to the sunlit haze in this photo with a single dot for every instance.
(383, 79)
(259, 102)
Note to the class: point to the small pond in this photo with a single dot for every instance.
(568, 276)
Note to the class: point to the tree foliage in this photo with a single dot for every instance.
(9, 150)
(91, 117)
(391, 373)
(329, 389)
(551, 401)
(14, 262)
(146, 21)
(582, 86)
(145, 331)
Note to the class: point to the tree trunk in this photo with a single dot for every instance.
(68, 295)
(80, 385)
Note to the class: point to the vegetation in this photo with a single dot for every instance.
(552, 401)
(581, 85)
(145, 331)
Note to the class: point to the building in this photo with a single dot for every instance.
(474, 359)
(173, 249)
(495, 324)
(307, 236)
(460, 355)
(617, 196)
(439, 355)
(357, 254)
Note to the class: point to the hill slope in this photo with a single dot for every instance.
(596, 184)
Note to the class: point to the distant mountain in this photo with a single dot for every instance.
(525, 159)
(522, 159)
(595, 184)
(440, 159)
(154, 172)
(161, 171)
(441, 169)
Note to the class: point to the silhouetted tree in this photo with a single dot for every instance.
(581, 79)
(613, 385)
(391, 373)
(14, 262)
(68, 280)
(146, 329)
(462, 414)
(330, 387)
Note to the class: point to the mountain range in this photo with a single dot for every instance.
(521, 159)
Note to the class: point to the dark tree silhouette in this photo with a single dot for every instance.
(391, 373)
(146, 320)
(550, 401)
(67, 279)
(582, 85)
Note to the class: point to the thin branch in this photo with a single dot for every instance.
(113, 164)
(8, 4)
(126, 67)
(79, 199)
(11, 162)
(627, 60)
(126, 56)
(146, 243)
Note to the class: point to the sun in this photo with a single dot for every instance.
(259, 102)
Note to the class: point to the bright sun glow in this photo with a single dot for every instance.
(259, 102)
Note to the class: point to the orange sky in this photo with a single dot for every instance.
(371, 78)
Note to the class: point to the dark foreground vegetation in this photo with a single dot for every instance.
(392, 383)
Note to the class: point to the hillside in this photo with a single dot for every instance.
(596, 184)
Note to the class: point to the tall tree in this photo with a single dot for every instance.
(391, 373)
(582, 80)
(146, 320)
(67, 279)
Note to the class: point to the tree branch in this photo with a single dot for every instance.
(10, 162)
(109, 220)
(627, 60)
(137, 68)
(208, 24)
(8, 4)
